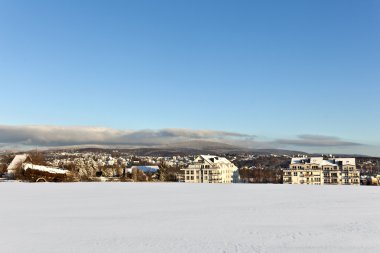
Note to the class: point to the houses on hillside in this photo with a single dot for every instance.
(318, 170)
(90, 166)
(211, 169)
(370, 180)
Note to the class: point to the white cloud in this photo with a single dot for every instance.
(62, 135)
(316, 141)
(55, 136)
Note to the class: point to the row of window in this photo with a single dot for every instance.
(206, 178)
(308, 174)
(207, 172)
(324, 168)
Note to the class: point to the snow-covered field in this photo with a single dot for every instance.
(139, 217)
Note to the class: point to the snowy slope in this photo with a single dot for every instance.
(138, 217)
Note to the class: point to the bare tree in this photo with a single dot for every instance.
(37, 158)
(168, 173)
(3, 169)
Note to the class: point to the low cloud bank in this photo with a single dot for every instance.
(309, 140)
(54, 136)
(63, 136)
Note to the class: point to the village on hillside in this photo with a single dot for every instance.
(120, 166)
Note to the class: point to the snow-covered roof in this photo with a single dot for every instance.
(346, 161)
(322, 162)
(212, 159)
(147, 168)
(296, 160)
(17, 162)
(53, 170)
(316, 160)
(328, 163)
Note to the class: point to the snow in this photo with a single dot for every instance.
(217, 159)
(321, 162)
(346, 161)
(175, 217)
(17, 161)
(327, 163)
(53, 170)
(296, 160)
(147, 168)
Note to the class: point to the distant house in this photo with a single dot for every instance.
(110, 161)
(39, 173)
(211, 169)
(23, 164)
(318, 170)
(375, 180)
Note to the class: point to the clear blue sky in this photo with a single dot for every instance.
(275, 69)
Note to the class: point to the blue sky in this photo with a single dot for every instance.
(274, 70)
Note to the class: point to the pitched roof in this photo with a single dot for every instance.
(212, 159)
(328, 163)
(53, 170)
(18, 161)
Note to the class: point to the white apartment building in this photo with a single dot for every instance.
(211, 169)
(317, 170)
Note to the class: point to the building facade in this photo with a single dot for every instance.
(211, 169)
(317, 171)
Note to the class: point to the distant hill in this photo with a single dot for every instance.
(278, 152)
(193, 147)
(204, 145)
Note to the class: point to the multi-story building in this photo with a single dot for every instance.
(211, 169)
(317, 170)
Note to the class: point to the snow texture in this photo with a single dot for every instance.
(175, 217)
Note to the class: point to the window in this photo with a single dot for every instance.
(295, 174)
(187, 178)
